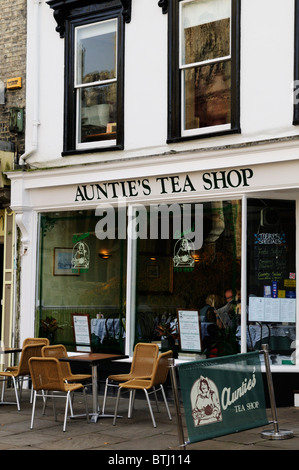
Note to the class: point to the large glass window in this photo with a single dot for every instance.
(271, 278)
(192, 264)
(81, 276)
(204, 67)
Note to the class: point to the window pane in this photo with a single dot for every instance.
(98, 113)
(96, 52)
(175, 273)
(206, 30)
(271, 284)
(208, 95)
(83, 274)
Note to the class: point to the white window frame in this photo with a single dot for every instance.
(78, 87)
(183, 67)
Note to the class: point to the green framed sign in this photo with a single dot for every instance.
(222, 395)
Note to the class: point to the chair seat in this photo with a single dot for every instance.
(10, 373)
(72, 387)
(126, 377)
(75, 377)
(139, 384)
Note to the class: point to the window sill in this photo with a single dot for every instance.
(172, 140)
(68, 153)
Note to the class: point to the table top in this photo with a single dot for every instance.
(94, 357)
(10, 350)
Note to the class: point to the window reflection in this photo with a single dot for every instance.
(98, 113)
(208, 95)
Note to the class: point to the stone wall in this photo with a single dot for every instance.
(12, 64)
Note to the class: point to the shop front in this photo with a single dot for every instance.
(115, 262)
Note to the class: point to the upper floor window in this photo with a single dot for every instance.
(95, 83)
(203, 68)
(94, 72)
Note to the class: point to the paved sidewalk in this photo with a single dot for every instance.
(136, 434)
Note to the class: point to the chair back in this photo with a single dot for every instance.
(28, 351)
(161, 369)
(59, 351)
(46, 374)
(27, 341)
(144, 358)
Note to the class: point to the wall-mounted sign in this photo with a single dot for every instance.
(14, 83)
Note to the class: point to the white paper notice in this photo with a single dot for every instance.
(189, 330)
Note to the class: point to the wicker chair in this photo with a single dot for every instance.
(46, 377)
(45, 341)
(59, 351)
(158, 378)
(144, 357)
(22, 370)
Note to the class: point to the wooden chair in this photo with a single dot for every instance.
(144, 358)
(22, 370)
(59, 351)
(46, 377)
(158, 378)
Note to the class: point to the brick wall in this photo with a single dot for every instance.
(12, 64)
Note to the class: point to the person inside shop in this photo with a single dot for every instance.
(224, 315)
(212, 302)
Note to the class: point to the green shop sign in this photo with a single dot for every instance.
(222, 395)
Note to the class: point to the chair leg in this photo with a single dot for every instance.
(116, 406)
(68, 398)
(105, 396)
(165, 401)
(150, 408)
(3, 388)
(16, 392)
(131, 403)
(156, 399)
(33, 409)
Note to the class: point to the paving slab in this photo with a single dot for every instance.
(129, 437)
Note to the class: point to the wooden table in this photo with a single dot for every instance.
(94, 359)
(10, 350)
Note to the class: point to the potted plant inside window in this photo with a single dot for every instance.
(168, 334)
(48, 328)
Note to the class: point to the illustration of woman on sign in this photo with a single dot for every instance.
(205, 402)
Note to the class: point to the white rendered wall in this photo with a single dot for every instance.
(267, 57)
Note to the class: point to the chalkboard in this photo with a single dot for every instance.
(270, 257)
(81, 332)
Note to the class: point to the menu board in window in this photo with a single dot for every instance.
(270, 257)
(81, 332)
(189, 330)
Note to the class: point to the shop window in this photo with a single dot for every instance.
(271, 278)
(94, 73)
(204, 79)
(82, 276)
(177, 269)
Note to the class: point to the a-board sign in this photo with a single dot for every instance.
(189, 330)
(81, 332)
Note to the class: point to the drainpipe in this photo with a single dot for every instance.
(35, 84)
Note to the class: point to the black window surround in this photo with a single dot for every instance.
(174, 77)
(70, 14)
